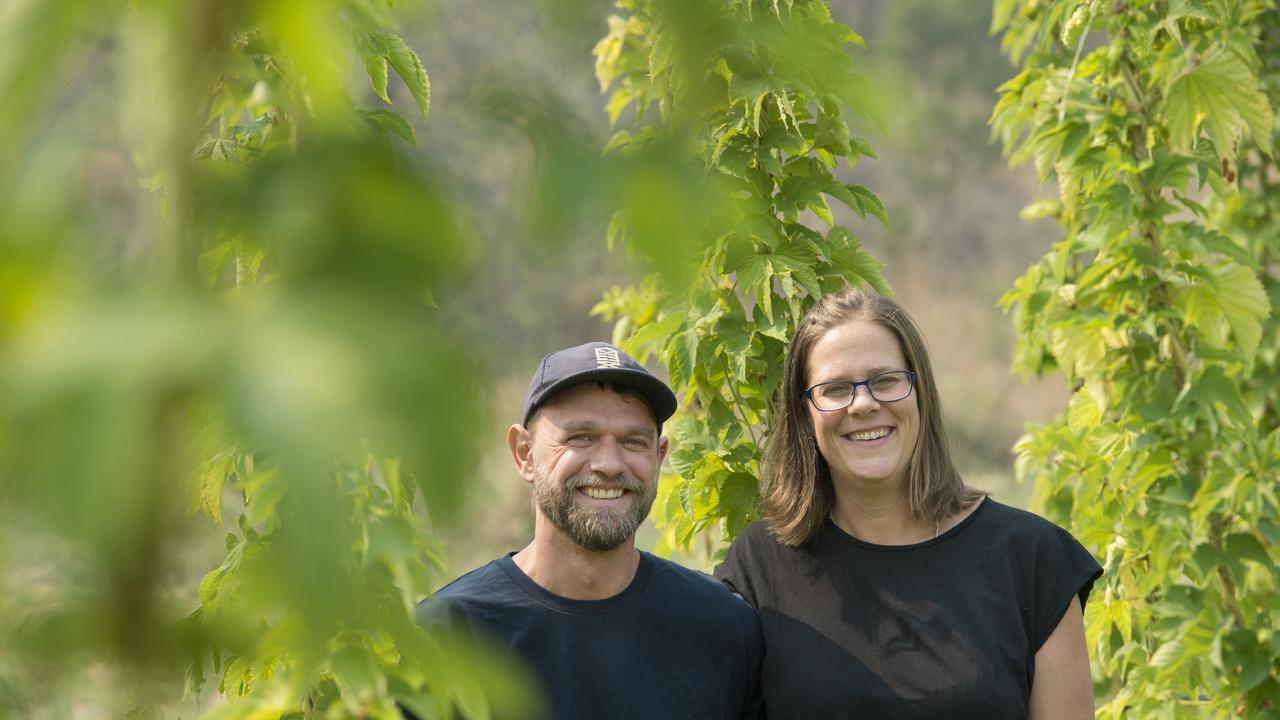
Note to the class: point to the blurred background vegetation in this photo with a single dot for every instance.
(126, 318)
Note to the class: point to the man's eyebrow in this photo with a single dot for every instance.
(573, 426)
(640, 430)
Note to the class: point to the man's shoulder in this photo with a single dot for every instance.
(699, 589)
(473, 590)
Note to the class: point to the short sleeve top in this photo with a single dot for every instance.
(944, 628)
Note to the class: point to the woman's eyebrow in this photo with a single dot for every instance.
(870, 373)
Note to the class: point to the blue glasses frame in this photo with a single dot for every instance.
(853, 393)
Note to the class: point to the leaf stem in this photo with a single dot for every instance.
(737, 400)
(1224, 577)
(1075, 61)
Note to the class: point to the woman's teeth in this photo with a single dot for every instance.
(870, 434)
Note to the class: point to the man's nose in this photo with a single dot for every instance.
(607, 459)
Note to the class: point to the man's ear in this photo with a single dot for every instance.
(520, 441)
(663, 446)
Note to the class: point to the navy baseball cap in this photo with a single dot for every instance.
(597, 362)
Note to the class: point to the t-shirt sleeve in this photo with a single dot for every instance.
(753, 705)
(734, 572)
(1063, 570)
(442, 614)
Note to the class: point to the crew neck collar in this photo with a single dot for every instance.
(832, 530)
(644, 569)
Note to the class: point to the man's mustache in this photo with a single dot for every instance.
(625, 482)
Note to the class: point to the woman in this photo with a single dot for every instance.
(886, 587)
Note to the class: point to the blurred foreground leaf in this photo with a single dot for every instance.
(219, 300)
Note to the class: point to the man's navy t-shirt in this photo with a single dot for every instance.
(674, 644)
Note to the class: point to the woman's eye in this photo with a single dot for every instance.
(835, 390)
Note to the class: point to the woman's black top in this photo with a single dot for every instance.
(946, 628)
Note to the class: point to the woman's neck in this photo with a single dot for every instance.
(880, 519)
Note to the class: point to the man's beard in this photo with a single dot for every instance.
(596, 529)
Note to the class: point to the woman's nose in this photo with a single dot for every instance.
(863, 401)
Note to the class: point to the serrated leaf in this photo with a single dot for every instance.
(1254, 669)
(209, 586)
(1244, 546)
(409, 67)
(869, 203)
(1214, 388)
(791, 258)
(682, 353)
(797, 191)
(357, 676)
(739, 492)
(1244, 303)
(1222, 94)
(205, 486)
(639, 342)
(857, 266)
(1200, 308)
(1170, 653)
(1079, 349)
(1040, 209)
(1082, 412)
(734, 339)
(391, 122)
(212, 262)
(661, 53)
(1001, 13)
(373, 50)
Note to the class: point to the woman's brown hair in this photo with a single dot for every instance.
(798, 491)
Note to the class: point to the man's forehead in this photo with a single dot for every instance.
(590, 404)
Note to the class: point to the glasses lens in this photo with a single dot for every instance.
(832, 396)
(890, 386)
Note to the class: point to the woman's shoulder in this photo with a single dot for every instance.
(754, 533)
(758, 539)
(757, 563)
(751, 542)
(755, 547)
(1030, 533)
(1016, 520)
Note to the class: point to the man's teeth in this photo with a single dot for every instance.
(870, 434)
(602, 493)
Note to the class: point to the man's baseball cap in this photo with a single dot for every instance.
(597, 362)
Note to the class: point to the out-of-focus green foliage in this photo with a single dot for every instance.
(246, 329)
(1157, 120)
(759, 95)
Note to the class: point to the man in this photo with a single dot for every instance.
(611, 632)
